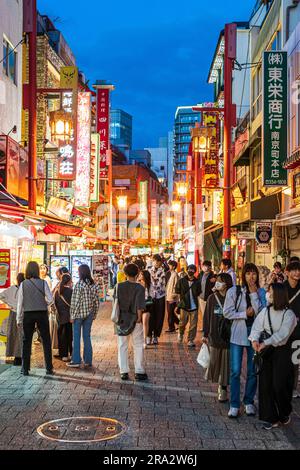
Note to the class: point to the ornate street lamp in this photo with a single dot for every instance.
(61, 124)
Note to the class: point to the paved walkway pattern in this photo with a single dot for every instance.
(177, 409)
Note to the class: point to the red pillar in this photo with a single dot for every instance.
(230, 56)
(32, 137)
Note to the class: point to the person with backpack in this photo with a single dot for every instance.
(270, 336)
(130, 296)
(34, 297)
(63, 298)
(85, 305)
(293, 288)
(188, 288)
(219, 366)
(242, 304)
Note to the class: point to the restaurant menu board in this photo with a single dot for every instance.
(4, 314)
(101, 271)
(57, 262)
(4, 268)
(77, 261)
(38, 254)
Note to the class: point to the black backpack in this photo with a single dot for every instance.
(224, 327)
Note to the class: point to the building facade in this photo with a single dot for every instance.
(11, 34)
(121, 129)
(140, 156)
(185, 119)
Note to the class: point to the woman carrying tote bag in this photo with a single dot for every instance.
(34, 297)
(270, 336)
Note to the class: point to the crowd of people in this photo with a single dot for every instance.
(258, 314)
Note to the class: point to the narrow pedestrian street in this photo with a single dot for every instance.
(176, 409)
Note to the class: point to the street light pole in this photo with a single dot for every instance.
(229, 118)
(32, 90)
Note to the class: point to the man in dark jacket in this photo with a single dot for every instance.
(207, 280)
(189, 289)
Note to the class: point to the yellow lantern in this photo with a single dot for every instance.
(61, 124)
(122, 202)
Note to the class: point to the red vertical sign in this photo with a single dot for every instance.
(4, 269)
(103, 129)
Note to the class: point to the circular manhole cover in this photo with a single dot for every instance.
(82, 429)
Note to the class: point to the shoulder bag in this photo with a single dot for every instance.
(260, 357)
(224, 325)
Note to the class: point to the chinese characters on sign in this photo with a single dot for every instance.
(211, 162)
(82, 189)
(67, 158)
(4, 269)
(95, 167)
(275, 118)
(143, 208)
(103, 129)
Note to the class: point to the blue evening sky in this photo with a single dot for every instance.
(157, 53)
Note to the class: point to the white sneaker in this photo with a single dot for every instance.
(72, 364)
(155, 340)
(296, 394)
(148, 341)
(65, 359)
(250, 410)
(233, 412)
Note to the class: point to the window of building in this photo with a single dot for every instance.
(256, 173)
(10, 61)
(257, 93)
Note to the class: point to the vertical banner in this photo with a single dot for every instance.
(218, 207)
(143, 208)
(82, 187)
(95, 167)
(4, 269)
(103, 129)
(275, 117)
(211, 160)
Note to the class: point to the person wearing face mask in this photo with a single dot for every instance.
(189, 289)
(275, 325)
(219, 367)
(207, 280)
(293, 288)
(241, 306)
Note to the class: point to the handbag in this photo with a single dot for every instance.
(265, 354)
(203, 358)
(115, 314)
(224, 325)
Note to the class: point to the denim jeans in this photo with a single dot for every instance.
(84, 324)
(236, 359)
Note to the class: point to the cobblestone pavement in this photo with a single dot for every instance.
(176, 409)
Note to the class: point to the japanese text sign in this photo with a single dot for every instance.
(103, 129)
(275, 117)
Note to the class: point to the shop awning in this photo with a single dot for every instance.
(67, 231)
(80, 213)
(212, 228)
(286, 219)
